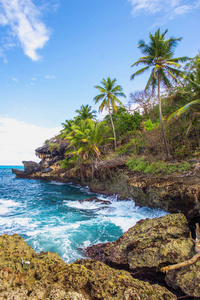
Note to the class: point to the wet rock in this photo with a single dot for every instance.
(49, 277)
(96, 200)
(151, 244)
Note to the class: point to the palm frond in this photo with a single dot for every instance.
(139, 72)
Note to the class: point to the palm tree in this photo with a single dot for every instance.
(85, 112)
(109, 93)
(85, 139)
(159, 58)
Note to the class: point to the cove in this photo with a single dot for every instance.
(49, 216)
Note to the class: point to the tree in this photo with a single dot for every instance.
(109, 93)
(85, 139)
(85, 112)
(159, 58)
(144, 99)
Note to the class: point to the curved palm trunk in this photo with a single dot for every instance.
(113, 127)
(161, 120)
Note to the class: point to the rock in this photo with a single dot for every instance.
(169, 192)
(47, 170)
(151, 244)
(30, 167)
(49, 277)
(96, 200)
(51, 152)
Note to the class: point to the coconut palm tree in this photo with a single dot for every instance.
(164, 68)
(109, 93)
(85, 112)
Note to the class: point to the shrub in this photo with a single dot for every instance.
(158, 167)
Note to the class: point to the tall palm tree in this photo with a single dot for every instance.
(85, 112)
(109, 93)
(159, 58)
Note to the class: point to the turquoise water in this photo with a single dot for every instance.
(49, 216)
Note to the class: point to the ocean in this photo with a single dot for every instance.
(49, 216)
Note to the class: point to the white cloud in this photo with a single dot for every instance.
(169, 8)
(19, 140)
(15, 79)
(50, 77)
(24, 19)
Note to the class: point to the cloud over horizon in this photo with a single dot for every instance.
(19, 140)
(24, 19)
(169, 8)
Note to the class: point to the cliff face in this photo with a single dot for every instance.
(51, 152)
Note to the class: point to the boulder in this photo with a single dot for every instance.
(95, 199)
(47, 276)
(150, 245)
(30, 167)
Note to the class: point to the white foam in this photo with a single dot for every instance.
(8, 203)
(57, 183)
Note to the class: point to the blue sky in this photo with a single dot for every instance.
(52, 53)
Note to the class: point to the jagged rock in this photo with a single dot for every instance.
(49, 277)
(47, 170)
(150, 245)
(169, 192)
(30, 167)
(95, 199)
(51, 152)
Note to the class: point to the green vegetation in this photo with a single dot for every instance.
(139, 132)
(158, 57)
(158, 167)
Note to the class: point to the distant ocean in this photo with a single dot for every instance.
(49, 216)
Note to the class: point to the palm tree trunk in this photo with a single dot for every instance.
(161, 120)
(92, 165)
(113, 127)
(82, 172)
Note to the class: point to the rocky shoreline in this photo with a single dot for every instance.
(129, 268)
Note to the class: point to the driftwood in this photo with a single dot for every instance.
(190, 261)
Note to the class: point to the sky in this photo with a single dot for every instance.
(53, 53)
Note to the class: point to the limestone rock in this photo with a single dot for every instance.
(150, 245)
(48, 277)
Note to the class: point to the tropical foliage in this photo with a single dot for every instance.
(138, 128)
(159, 58)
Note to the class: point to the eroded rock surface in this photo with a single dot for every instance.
(49, 277)
(151, 244)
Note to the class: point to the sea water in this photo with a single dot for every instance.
(49, 216)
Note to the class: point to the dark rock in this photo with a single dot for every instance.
(151, 244)
(31, 167)
(18, 173)
(52, 152)
(95, 199)
(47, 170)
(49, 277)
